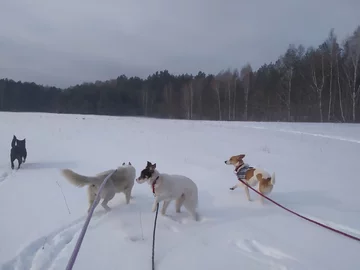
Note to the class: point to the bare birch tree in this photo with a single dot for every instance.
(198, 92)
(186, 101)
(286, 66)
(191, 97)
(235, 77)
(216, 83)
(338, 79)
(168, 93)
(332, 50)
(145, 99)
(354, 57)
(245, 77)
(225, 78)
(318, 81)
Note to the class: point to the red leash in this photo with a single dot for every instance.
(153, 185)
(301, 216)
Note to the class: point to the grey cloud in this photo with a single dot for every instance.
(68, 42)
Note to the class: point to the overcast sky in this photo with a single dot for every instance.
(65, 42)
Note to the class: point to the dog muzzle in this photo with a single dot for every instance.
(140, 180)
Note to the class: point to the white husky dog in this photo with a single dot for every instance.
(168, 187)
(121, 181)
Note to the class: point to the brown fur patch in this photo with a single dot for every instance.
(264, 184)
(249, 173)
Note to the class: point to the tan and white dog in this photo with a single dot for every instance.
(252, 176)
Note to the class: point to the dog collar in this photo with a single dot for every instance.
(239, 167)
(153, 185)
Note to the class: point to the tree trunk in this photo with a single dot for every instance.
(246, 97)
(145, 100)
(319, 87)
(330, 87)
(289, 94)
(354, 93)
(191, 97)
(339, 89)
(219, 101)
(234, 101)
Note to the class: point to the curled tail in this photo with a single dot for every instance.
(273, 179)
(78, 179)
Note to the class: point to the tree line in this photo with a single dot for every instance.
(315, 84)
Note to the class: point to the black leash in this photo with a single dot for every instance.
(153, 245)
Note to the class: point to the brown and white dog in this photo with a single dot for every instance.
(252, 176)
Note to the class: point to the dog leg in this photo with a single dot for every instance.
(154, 206)
(191, 209)
(165, 206)
(262, 199)
(247, 193)
(12, 164)
(127, 195)
(233, 187)
(91, 201)
(179, 202)
(19, 162)
(105, 206)
(91, 196)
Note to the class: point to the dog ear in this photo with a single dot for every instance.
(123, 163)
(151, 167)
(129, 163)
(241, 156)
(148, 164)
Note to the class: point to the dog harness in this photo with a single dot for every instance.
(153, 185)
(241, 170)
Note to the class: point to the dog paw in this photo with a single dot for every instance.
(106, 208)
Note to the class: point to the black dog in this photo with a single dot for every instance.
(18, 151)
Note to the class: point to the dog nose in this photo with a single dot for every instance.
(225, 161)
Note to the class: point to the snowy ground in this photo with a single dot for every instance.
(316, 169)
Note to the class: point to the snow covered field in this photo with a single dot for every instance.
(317, 174)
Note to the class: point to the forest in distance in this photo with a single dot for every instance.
(315, 84)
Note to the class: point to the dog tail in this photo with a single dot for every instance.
(78, 179)
(273, 178)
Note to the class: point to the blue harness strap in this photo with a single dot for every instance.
(242, 171)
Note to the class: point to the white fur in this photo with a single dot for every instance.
(253, 181)
(121, 181)
(174, 187)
